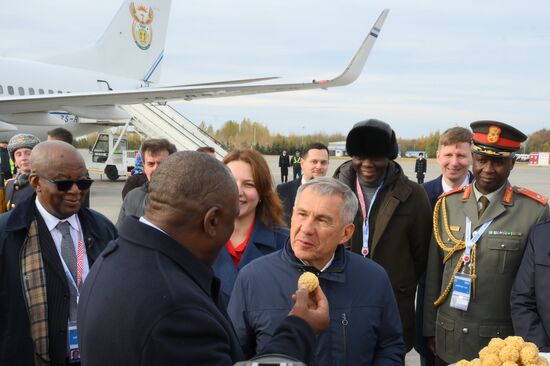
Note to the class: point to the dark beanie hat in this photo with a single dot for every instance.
(372, 138)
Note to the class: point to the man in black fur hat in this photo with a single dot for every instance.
(394, 222)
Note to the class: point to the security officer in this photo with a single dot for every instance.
(18, 188)
(477, 245)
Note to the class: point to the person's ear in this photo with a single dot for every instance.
(212, 221)
(348, 232)
(34, 182)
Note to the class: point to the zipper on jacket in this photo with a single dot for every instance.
(344, 342)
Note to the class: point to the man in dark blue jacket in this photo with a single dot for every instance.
(152, 297)
(530, 299)
(38, 284)
(365, 325)
(454, 157)
(314, 164)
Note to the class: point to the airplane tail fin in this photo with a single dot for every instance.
(132, 45)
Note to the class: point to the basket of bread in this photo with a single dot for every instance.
(511, 351)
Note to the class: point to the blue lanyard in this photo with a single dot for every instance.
(471, 240)
(366, 214)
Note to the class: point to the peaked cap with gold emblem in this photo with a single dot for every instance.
(492, 138)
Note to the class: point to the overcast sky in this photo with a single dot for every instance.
(436, 64)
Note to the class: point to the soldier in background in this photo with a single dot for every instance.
(420, 168)
(18, 188)
(477, 244)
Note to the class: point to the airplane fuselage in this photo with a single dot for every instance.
(95, 86)
(33, 78)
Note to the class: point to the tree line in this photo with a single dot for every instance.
(248, 133)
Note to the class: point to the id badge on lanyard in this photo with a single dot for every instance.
(462, 288)
(462, 284)
(366, 214)
(74, 350)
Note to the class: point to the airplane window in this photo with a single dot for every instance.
(40, 91)
(59, 92)
(50, 91)
(1, 89)
(31, 91)
(21, 90)
(10, 90)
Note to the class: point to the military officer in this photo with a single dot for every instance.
(477, 244)
(18, 188)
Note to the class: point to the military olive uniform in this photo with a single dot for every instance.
(497, 255)
(16, 193)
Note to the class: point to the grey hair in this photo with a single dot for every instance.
(326, 186)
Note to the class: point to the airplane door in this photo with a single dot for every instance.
(100, 150)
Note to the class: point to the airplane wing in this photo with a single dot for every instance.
(41, 103)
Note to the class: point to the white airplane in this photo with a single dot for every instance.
(82, 91)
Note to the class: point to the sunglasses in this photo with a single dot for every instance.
(64, 185)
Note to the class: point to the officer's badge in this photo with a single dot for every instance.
(141, 26)
(494, 134)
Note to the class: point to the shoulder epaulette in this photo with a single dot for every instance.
(533, 195)
(6, 181)
(452, 191)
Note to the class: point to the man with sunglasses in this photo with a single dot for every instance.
(47, 246)
(62, 134)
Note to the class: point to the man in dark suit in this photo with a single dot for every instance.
(454, 157)
(420, 168)
(5, 164)
(314, 164)
(47, 245)
(152, 298)
(284, 163)
(530, 299)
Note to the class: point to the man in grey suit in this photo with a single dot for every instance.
(153, 151)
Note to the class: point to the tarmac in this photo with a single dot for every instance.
(106, 195)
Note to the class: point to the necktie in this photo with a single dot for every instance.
(484, 202)
(69, 256)
(67, 247)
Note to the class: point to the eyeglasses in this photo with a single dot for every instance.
(64, 185)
